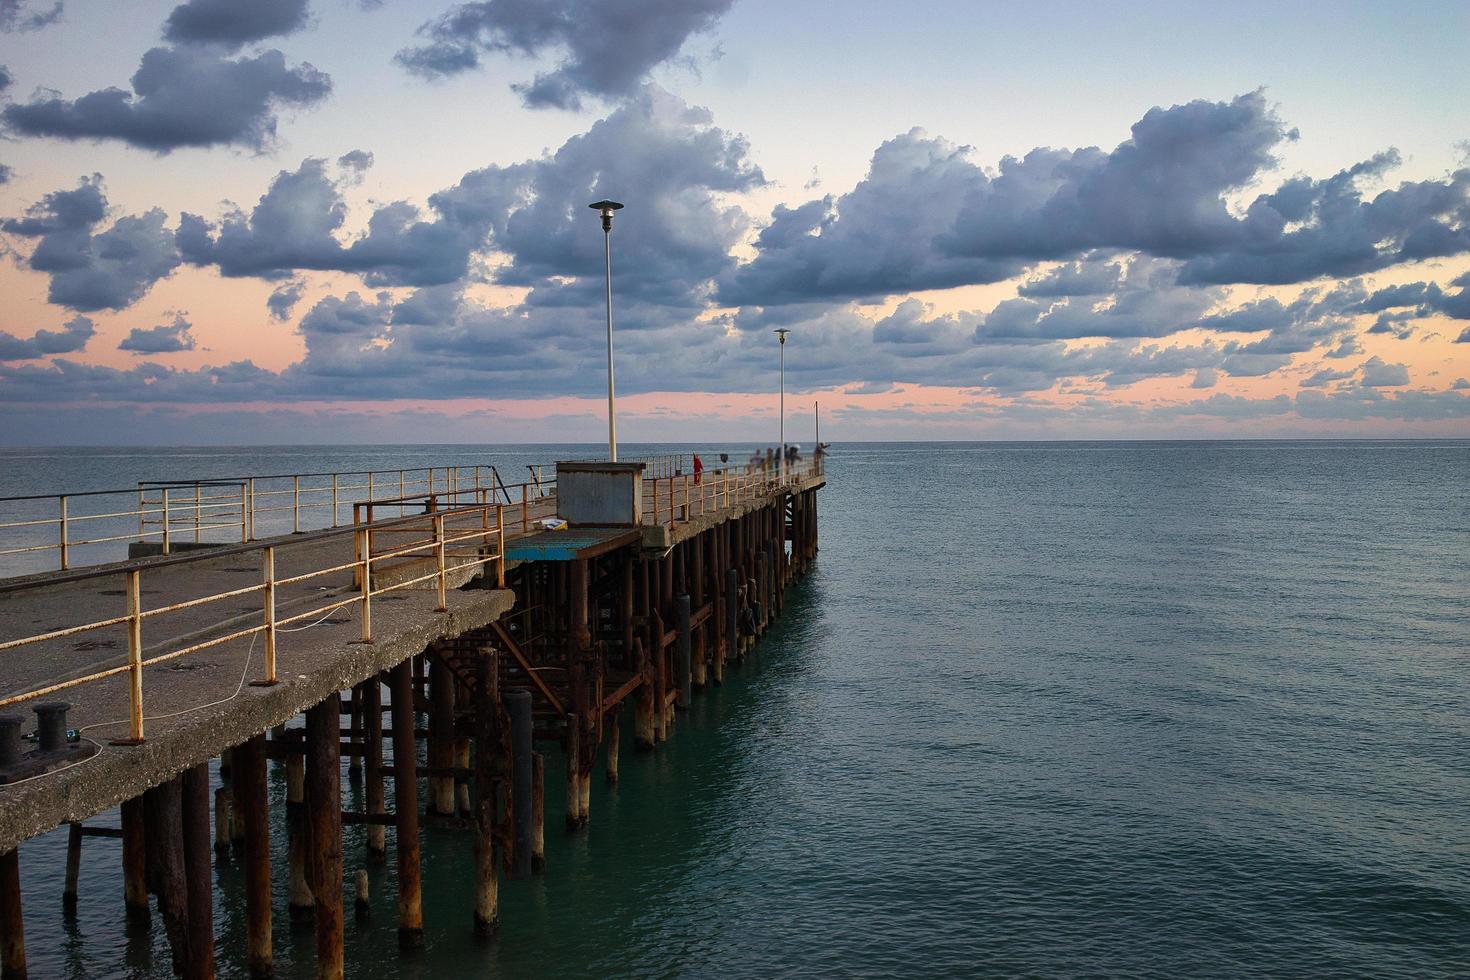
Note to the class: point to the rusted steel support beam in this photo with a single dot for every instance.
(406, 811)
(198, 873)
(134, 862)
(250, 781)
(487, 741)
(324, 807)
(12, 925)
(731, 624)
(372, 720)
(518, 707)
(73, 870)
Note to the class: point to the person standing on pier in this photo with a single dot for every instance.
(698, 467)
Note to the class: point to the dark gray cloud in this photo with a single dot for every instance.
(1167, 191)
(72, 337)
(90, 269)
(878, 239)
(166, 338)
(673, 239)
(182, 96)
(296, 224)
(284, 299)
(606, 49)
(20, 15)
(232, 24)
(1378, 373)
(6, 79)
(355, 164)
(1325, 377)
(6, 174)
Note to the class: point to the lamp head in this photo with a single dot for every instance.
(782, 334)
(606, 209)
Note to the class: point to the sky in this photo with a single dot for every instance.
(322, 221)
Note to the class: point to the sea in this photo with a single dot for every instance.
(1124, 709)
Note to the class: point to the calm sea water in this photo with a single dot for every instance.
(1132, 709)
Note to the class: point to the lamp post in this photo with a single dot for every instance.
(606, 209)
(782, 334)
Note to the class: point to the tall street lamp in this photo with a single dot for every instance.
(782, 334)
(606, 209)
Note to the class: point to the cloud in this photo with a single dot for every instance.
(606, 49)
(165, 338)
(1324, 377)
(670, 243)
(14, 16)
(1377, 373)
(93, 270)
(72, 337)
(6, 174)
(878, 239)
(182, 96)
(926, 216)
(284, 299)
(232, 24)
(354, 165)
(1205, 377)
(6, 79)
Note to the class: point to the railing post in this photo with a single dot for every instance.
(268, 561)
(64, 556)
(252, 507)
(525, 509)
(197, 504)
(334, 499)
(244, 518)
(439, 553)
(135, 656)
(365, 575)
(165, 520)
(295, 505)
(500, 560)
(142, 512)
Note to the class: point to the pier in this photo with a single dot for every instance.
(453, 611)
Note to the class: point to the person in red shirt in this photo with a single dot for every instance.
(698, 467)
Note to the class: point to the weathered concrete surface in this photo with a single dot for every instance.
(313, 664)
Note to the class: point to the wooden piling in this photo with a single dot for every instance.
(698, 648)
(222, 807)
(732, 611)
(198, 872)
(573, 746)
(299, 901)
(12, 925)
(406, 810)
(538, 812)
(518, 706)
(250, 781)
(362, 906)
(487, 886)
(134, 862)
(73, 869)
(441, 736)
(324, 809)
(682, 663)
(165, 846)
(613, 737)
(372, 715)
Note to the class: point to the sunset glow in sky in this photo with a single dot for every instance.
(261, 221)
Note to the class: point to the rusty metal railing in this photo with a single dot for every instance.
(171, 513)
(474, 536)
(680, 498)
